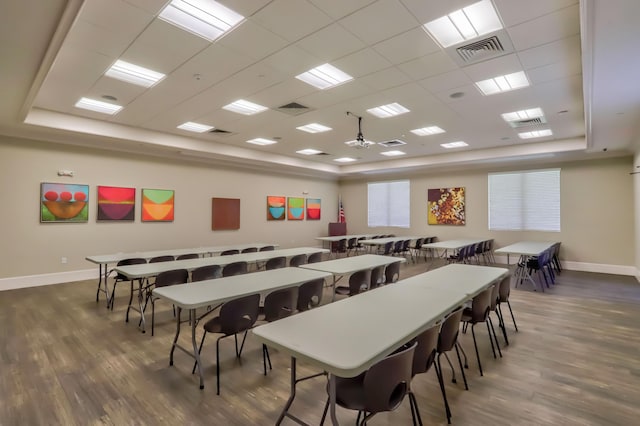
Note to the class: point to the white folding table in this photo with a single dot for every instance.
(335, 339)
(349, 265)
(147, 270)
(192, 296)
(104, 260)
(525, 250)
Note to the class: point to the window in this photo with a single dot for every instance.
(389, 204)
(528, 201)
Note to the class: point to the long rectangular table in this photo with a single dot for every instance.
(147, 270)
(333, 338)
(525, 250)
(213, 292)
(349, 265)
(104, 260)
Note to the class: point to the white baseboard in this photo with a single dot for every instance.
(47, 279)
(587, 267)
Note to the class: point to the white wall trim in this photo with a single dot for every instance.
(601, 268)
(47, 279)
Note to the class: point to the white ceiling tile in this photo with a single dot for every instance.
(252, 40)
(88, 36)
(515, 12)
(379, 21)
(163, 47)
(445, 81)
(331, 43)
(244, 7)
(276, 17)
(557, 51)
(335, 95)
(339, 8)
(282, 93)
(124, 92)
(428, 10)
(554, 71)
(502, 65)
(292, 61)
(428, 66)
(545, 29)
(406, 46)
(213, 64)
(384, 79)
(151, 6)
(116, 16)
(363, 62)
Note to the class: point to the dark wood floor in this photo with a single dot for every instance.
(69, 361)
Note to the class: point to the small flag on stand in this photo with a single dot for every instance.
(341, 217)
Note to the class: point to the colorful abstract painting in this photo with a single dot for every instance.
(275, 207)
(446, 206)
(313, 208)
(116, 203)
(63, 202)
(157, 205)
(295, 208)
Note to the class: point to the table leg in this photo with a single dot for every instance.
(196, 353)
(175, 339)
(141, 305)
(292, 392)
(333, 297)
(332, 399)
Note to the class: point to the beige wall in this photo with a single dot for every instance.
(597, 210)
(29, 247)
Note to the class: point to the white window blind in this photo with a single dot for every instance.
(525, 200)
(389, 204)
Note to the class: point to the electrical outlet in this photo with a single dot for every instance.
(63, 260)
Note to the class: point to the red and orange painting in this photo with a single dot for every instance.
(116, 203)
(157, 205)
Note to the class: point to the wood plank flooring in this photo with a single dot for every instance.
(67, 360)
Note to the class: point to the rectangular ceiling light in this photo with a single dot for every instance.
(205, 18)
(314, 128)
(525, 114)
(393, 153)
(261, 141)
(98, 106)
(503, 83)
(389, 110)
(308, 151)
(458, 144)
(344, 159)
(324, 76)
(426, 131)
(195, 127)
(535, 134)
(244, 107)
(464, 24)
(134, 74)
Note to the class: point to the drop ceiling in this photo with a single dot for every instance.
(588, 93)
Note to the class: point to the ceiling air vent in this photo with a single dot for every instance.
(220, 132)
(392, 143)
(498, 44)
(293, 108)
(527, 122)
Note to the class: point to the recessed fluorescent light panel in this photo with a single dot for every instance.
(503, 83)
(324, 77)
(525, 114)
(308, 151)
(244, 107)
(426, 131)
(458, 144)
(464, 24)
(344, 159)
(261, 141)
(98, 106)
(195, 127)
(205, 18)
(389, 110)
(535, 134)
(393, 153)
(314, 128)
(134, 74)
